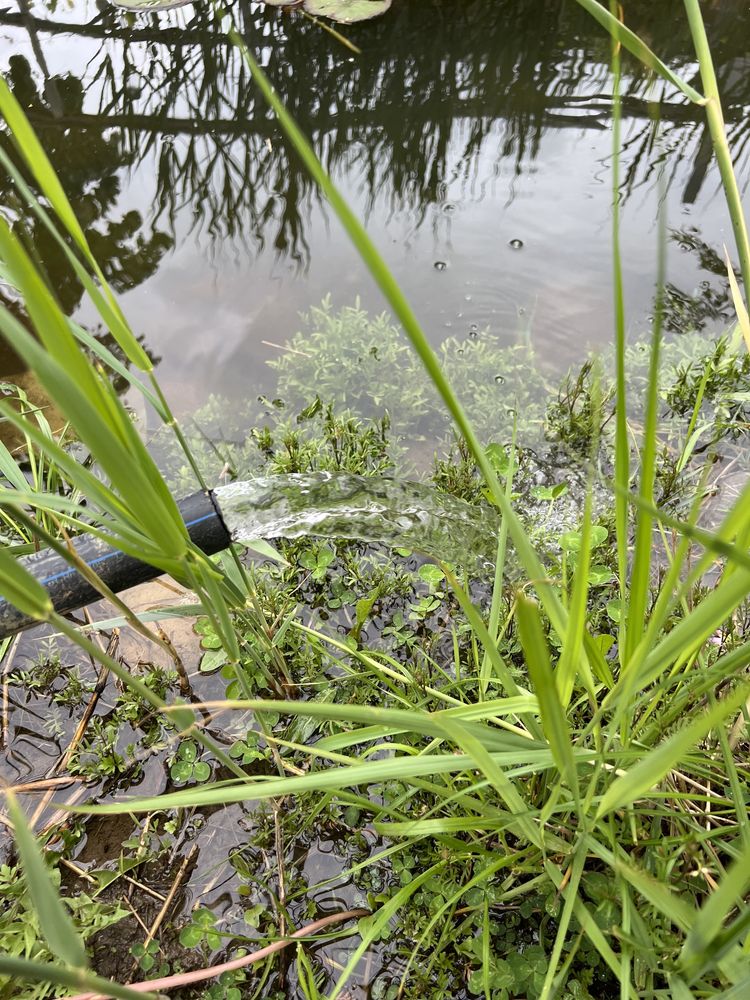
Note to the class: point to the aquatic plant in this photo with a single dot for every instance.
(366, 364)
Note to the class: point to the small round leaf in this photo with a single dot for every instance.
(347, 11)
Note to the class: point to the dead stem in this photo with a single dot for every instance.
(7, 664)
(84, 875)
(281, 873)
(177, 882)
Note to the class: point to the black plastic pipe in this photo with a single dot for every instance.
(69, 590)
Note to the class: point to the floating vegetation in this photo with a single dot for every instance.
(342, 11)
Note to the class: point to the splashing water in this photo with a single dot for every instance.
(367, 509)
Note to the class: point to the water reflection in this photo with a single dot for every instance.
(450, 105)
(90, 168)
(89, 164)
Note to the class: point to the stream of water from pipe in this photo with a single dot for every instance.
(373, 509)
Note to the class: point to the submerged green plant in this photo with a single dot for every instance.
(366, 364)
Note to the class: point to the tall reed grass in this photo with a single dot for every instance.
(588, 765)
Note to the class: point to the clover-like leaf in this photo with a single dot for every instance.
(201, 771)
(347, 11)
(181, 770)
(191, 936)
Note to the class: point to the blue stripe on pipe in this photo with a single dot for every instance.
(110, 555)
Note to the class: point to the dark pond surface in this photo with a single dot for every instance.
(470, 133)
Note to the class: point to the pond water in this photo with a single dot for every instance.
(474, 136)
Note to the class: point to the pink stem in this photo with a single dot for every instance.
(198, 975)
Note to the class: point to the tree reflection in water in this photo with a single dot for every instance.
(443, 91)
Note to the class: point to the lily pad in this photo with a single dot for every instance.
(347, 11)
(145, 6)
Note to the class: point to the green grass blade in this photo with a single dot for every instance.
(330, 779)
(126, 461)
(420, 828)
(740, 990)
(715, 543)
(91, 487)
(498, 585)
(693, 434)
(110, 314)
(485, 710)
(708, 925)
(622, 442)
(507, 791)
(430, 724)
(10, 471)
(205, 577)
(570, 896)
(32, 151)
(117, 535)
(640, 580)
(114, 364)
(21, 589)
(736, 787)
(690, 633)
(573, 658)
(46, 315)
(55, 921)
(25, 970)
(500, 668)
(718, 131)
(551, 708)
(630, 41)
(679, 989)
